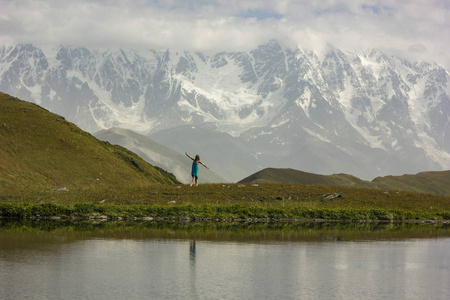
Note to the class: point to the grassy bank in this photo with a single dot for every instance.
(212, 212)
(228, 202)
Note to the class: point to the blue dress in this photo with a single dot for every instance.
(194, 171)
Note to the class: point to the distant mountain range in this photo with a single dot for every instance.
(424, 182)
(40, 150)
(368, 114)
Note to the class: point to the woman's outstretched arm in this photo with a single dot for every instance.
(188, 155)
(203, 164)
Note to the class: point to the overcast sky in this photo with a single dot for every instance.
(411, 27)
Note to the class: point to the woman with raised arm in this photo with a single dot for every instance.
(194, 171)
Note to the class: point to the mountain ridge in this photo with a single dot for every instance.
(363, 113)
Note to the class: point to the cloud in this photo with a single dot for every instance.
(219, 25)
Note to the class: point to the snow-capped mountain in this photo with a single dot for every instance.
(363, 113)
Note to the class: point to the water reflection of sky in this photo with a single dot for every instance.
(45, 267)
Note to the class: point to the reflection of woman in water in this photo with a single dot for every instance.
(192, 250)
(194, 171)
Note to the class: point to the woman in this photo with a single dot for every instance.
(194, 171)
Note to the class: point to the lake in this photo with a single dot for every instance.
(157, 260)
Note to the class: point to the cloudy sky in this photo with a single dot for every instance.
(412, 27)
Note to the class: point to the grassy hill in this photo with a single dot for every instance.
(40, 150)
(425, 182)
(430, 182)
(157, 154)
(291, 176)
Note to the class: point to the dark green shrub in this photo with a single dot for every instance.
(83, 209)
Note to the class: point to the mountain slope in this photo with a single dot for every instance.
(424, 182)
(291, 176)
(363, 113)
(39, 149)
(430, 182)
(156, 154)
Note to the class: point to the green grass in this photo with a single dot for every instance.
(41, 149)
(229, 201)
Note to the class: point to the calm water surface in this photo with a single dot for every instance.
(159, 264)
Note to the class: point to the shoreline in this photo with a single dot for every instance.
(183, 219)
